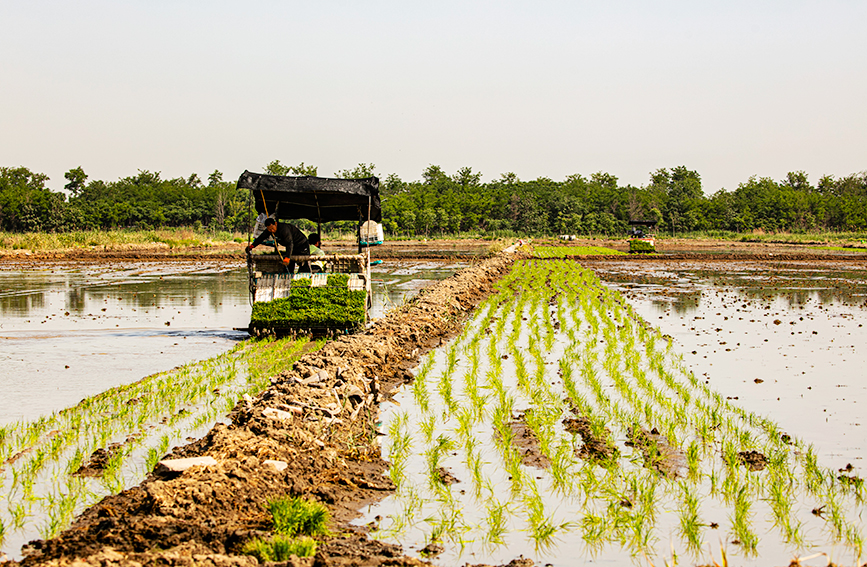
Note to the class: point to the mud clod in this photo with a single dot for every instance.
(598, 449)
(657, 453)
(753, 460)
(527, 442)
(520, 561)
(432, 549)
(445, 477)
(98, 461)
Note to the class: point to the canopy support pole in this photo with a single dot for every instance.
(318, 216)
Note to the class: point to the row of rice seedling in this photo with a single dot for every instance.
(632, 452)
(48, 471)
(565, 251)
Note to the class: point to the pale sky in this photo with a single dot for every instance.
(728, 88)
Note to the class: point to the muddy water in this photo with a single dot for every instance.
(785, 340)
(72, 331)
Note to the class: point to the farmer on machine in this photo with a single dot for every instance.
(290, 237)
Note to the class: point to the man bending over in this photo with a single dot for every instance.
(290, 237)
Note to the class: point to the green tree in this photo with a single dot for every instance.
(76, 178)
(683, 192)
(277, 168)
(25, 202)
(360, 171)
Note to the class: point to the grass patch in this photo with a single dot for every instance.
(279, 548)
(293, 521)
(111, 239)
(296, 516)
(814, 237)
(333, 305)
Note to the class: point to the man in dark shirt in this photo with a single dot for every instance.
(290, 237)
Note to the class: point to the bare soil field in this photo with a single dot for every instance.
(671, 248)
(408, 249)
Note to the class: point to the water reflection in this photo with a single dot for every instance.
(75, 331)
(681, 285)
(27, 295)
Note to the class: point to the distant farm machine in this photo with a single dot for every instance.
(337, 299)
(641, 239)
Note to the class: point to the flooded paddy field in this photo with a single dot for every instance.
(785, 339)
(87, 350)
(72, 331)
(561, 422)
(570, 424)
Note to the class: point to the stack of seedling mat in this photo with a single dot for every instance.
(314, 302)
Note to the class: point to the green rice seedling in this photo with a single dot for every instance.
(502, 415)
(412, 502)
(293, 516)
(813, 475)
(474, 465)
(112, 475)
(594, 530)
(400, 441)
(75, 461)
(444, 389)
(442, 445)
(855, 540)
(690, 525)
(542, 530)
(466, 420)
(693, 460)
(512, 465)
(741, 527)
(279, 548)
(730, 486)
(427, 426)
(496, 520)
(833, 514)
(561, 463)
(639, 534)
(450, 524)
(18, 515)
(478, 403)
(730, 456)
(152, 459)
(451, 360)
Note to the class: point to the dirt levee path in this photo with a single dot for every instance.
(397, 249)
(316, 421)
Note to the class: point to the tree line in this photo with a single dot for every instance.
(440, 203)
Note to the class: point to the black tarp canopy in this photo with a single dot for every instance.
(318, 199)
